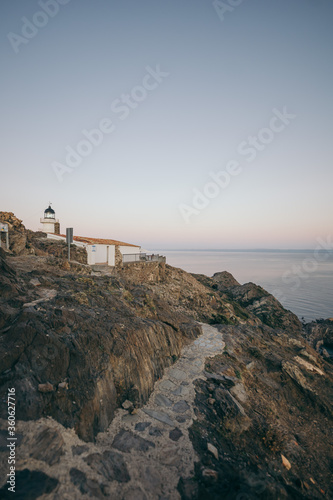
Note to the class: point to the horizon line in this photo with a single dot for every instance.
(240, 249)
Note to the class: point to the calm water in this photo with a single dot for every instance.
(302, 281)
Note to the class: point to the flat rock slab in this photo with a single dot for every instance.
(141, 426)
(181, 391)
(85, 485)
(162, 400)
(155, 431)
(158, 415)
(175, 434)
(181, 407)
(177, 374)
(111, 465)
(126, 441)
(167, 385)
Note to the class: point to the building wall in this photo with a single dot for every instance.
(129, 250)
(112, 255)
(48, 227)
(103, 254)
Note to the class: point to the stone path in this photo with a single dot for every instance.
(154, 442)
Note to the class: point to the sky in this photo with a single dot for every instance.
(186, 124)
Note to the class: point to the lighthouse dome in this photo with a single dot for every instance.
(49, 213)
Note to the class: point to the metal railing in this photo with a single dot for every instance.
(142, 257)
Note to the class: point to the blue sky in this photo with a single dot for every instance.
(221, 81)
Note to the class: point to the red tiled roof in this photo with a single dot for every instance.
(99, 241)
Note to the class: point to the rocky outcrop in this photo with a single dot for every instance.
(225, 280)
(320, 335)
(255, 300)
(195, 295)
(75, 347)
(78, 345)
(266, 409)
(40, 245)
(17, 233)
(22, 241)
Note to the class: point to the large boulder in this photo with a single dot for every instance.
(225, 280)
(17, 233)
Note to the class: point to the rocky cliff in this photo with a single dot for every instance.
(253, 417)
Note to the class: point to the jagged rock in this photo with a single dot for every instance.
(175, 434)
(213, 450)
(141, 426)
(295, 374)
(286, 462)
(308, 366)
(111, 465)
(127, 405)
(225, 280)
(266, 307)
(30, 484)
(63, 385)
(126, 441)
(70, 340)
(210, 475)
(86, 485)
(320, 335)
(79, 449)
(47, 446)
(46, 387)
(239, 392)
(309, 356)
(111, 337)
(35, 282)
(16, 233)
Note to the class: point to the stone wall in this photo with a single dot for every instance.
(145, 272)
(118, 258)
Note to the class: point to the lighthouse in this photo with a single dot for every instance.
(49, 223)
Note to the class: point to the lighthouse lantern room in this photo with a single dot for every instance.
(49, 223)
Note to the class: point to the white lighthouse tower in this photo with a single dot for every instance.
(49, 223)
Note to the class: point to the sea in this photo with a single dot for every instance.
(302, 280)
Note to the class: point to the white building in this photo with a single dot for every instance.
(100, 251)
